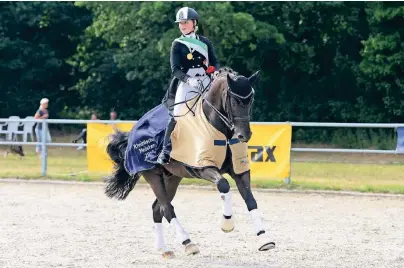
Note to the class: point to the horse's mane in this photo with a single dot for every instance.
(226, 70)
(242, 89)
(221, 77)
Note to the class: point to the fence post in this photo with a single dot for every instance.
(44, 154)
(289, 179)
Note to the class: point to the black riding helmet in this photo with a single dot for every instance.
(186, 13)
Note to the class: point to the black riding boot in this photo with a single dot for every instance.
(168, 101)
(164, 156)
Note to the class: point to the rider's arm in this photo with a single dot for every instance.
(212, 56)
(175, 61)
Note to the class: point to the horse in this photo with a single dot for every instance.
(227, 105)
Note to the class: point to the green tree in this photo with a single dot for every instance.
(35, 40)
(383, 58)
(312, 76)
(138, 37)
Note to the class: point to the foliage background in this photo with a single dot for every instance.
(319, 61)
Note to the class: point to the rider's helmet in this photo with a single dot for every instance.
(186, 13)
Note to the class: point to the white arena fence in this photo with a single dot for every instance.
(14, 122)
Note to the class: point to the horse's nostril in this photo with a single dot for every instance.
(240, 137)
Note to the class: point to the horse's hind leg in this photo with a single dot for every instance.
(158, 229)
(244, 186)
(157, 184)
(171, 185)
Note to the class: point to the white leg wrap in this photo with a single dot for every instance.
(182, 235)
(158, 228)
(264, 239)
(256, 220)
(227, 204)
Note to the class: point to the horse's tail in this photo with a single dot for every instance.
(120, 183)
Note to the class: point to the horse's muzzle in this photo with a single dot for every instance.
(244, 138)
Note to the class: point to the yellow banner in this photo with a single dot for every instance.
(97, 141)
(269, 149)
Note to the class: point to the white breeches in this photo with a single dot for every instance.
(185, 92)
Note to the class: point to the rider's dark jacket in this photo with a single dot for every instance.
(180, 63)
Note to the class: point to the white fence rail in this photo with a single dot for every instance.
(45, 123)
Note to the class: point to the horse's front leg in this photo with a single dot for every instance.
(243, 183)
(214, 176)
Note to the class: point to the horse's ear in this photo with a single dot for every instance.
(229, 80)
(254, 78)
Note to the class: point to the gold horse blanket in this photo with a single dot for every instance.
(196, 143)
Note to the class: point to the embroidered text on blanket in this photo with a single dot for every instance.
(145, 145)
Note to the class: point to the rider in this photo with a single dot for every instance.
(190, 56)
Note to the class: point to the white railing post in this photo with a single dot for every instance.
(44, 154)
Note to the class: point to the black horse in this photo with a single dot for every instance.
(227, 106)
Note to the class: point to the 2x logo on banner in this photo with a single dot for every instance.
(262, 153)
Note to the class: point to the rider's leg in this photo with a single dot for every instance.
(169, 98)
(182, 92)
(164, 156)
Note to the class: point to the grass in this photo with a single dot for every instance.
(322, 172)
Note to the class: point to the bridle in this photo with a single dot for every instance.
(230, 119)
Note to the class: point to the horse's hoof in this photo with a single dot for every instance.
(267, 246)
(227, 225)
(168, 254)
(191, 249)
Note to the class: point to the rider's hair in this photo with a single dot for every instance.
(195, 24)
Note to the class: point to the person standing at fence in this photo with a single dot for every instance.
(83, 133)
(113, 116)
(42, 113)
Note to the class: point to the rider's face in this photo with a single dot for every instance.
(186, 26)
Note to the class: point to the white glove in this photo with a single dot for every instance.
(193, 82)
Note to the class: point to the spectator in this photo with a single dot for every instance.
(42, 113)
(83, 133)
(113, 116)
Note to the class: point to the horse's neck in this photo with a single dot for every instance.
(214, 118)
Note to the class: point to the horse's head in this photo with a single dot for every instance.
(232, 96)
